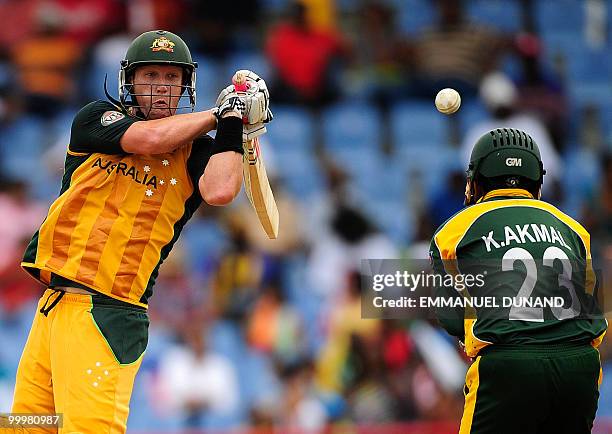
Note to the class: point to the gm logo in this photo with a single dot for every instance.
(514, 162)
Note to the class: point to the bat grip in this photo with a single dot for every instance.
(240, 83)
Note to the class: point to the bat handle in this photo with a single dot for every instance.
(240, 82)
(240, 85)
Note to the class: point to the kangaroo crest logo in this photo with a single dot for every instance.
(163, 44)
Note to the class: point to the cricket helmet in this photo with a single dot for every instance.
(506, 152)
(157, 47)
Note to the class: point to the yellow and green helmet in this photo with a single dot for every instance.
(506, 152)
(158, 47)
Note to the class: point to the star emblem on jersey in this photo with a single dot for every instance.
(162, 182)
(165, 162)
(149, 192)
(146, 169)
(98, 378)
(173, 181)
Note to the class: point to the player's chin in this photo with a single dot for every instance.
(158, 113)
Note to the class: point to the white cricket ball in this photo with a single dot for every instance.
(448, 101)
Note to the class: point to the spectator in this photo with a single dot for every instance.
(85, 21)
(345, 323)
(597, 213)
(500, 96)
(540, 91)
(177, 293)
(455, 53)
(275, 326)
(239, 276)
(348, 238)
(303, 407)
(382, 52)
(197, 381)
(399, 356)
(222, 27)
(304, 60)
(18, 19)
(448, 200)
(9, 102)
(370, 400)
(46, 64)
(290, 233)
(20, 218)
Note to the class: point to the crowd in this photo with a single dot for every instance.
(245, 330)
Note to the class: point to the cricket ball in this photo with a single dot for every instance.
(448, 101)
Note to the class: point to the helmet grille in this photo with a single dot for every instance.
(510, 137)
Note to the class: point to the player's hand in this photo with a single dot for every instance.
(257, 86)
(235, 104)
(256, 99)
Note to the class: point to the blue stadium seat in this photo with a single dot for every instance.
(430, 165)
(291, 129)
(557, 46)
(62, 124)
(501, 14)
(351, 126)
(605, 116)
(588, 65)
(561, 41)
(210, 81)
(275, 6)
(301, 175)
(587, 164)
(583, 63)
(225, 338)
(414, 15)
(393, 218)
(382, 179)
(358, 162)
(591, 92)
(559, 14)
(511, 66)
(201, 240)
(418, 124)
(471, 113)
(21, 145)
(94, 81)
(253, 61)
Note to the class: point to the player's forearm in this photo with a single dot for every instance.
(222, 178)
(165, 135)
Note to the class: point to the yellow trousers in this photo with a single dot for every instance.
(69, 366)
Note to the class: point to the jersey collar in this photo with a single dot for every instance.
(506, 193)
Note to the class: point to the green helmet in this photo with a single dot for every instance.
(506, 151)
(158, 47)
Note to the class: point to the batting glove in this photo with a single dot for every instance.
(256, 98)
(233, 103)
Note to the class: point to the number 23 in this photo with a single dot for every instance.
(536, 314)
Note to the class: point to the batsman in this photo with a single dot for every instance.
(136, 170)
(536, 367)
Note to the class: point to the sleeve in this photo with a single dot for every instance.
(98, 127)
(201, 151)
(451, 319)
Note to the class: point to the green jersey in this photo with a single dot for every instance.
(536, 279)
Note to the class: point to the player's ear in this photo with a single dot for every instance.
(467, 200)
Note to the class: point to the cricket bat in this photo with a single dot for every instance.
(256, 184)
